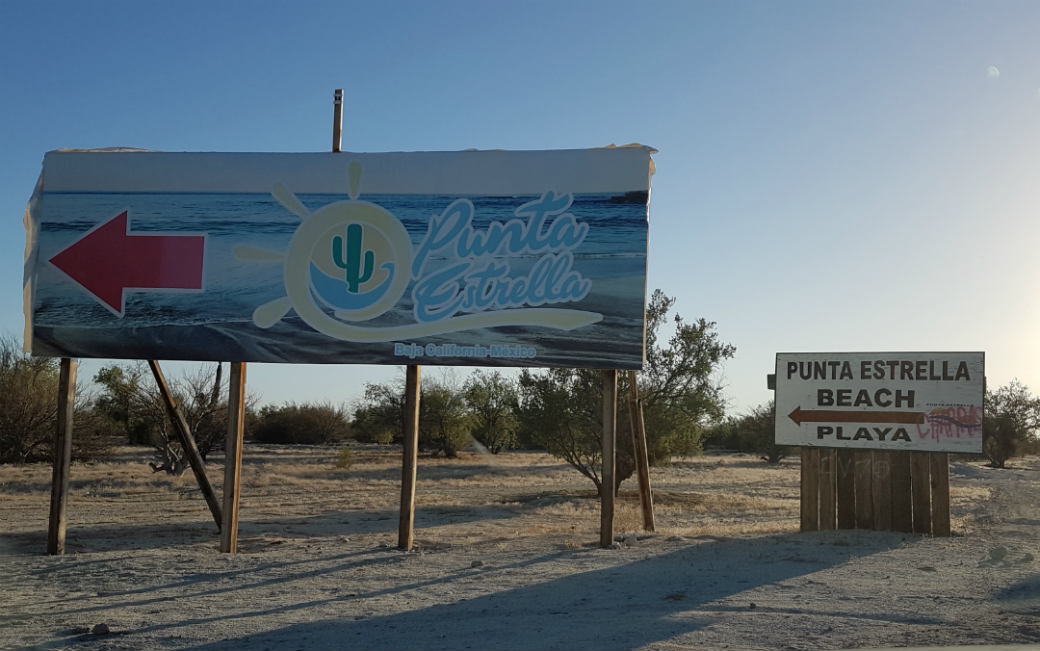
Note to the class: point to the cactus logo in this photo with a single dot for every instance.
(342, 268)
(350, 257)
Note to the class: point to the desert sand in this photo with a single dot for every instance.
(506, 558)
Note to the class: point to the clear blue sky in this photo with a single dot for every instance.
(832, 175)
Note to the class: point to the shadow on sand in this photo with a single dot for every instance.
(621, 607)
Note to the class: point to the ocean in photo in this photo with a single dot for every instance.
(216, 323)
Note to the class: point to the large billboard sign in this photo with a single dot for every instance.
(884, 401)
(484, 258)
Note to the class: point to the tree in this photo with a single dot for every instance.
(677, 387)
(756, 432)
(28, 403)
(29, 409)
(561, 411)
(380, 417)
(444, 420)
(127, 402)
(131, 400)
(492, 401)
(203, 401)
(1011, 418)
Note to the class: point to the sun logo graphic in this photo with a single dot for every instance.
(349, 257)
(351, 261)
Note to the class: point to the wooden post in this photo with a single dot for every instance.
(406, 526)
(882, 484)
(810, 510)
(233, 457)
(180, 426)
(828, 477)
(606, 488)
(902, 506)
(864, 489)
(846, 489)
(940, 481)
(920, 491)
(337, 120)
(62, 457)
(635, 411)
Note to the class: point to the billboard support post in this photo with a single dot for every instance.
(233, 457)
(62, 457)
(635, 411)
(180, 426)
(406, 526)
(606, 487)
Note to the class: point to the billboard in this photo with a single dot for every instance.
(484, 258)
(884, 401)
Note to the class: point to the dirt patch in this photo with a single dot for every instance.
(506, 558)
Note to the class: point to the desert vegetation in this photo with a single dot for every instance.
(554, 410)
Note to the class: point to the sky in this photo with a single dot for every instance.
(831, 176)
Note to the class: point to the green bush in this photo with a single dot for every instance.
(345, 459)
(753, 433)
(29, 410)
(1010, 422)
(492, 400)
(307, 424)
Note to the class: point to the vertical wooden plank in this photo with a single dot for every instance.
(180, 426)
(846, 490)
(810, 489)
(864, 460)
(882, 483)
(828, 487)
(902, 505)
(233, 457)
(410, 460)
(940, 482)
(920, 491)
(606, 490)
(58, 521)
(635, 412)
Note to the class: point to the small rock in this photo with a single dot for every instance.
(477, 564)
(100, 629)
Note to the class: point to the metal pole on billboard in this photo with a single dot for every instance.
(410, 453)
(606, 488)
(337, 121)
(62, 456)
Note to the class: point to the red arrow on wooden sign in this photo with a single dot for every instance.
(109, 260)
(800, 416)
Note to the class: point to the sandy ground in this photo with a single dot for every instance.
(506, 558)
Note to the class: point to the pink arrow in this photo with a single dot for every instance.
(109, 260)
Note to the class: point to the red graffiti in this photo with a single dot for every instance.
(952, 423)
